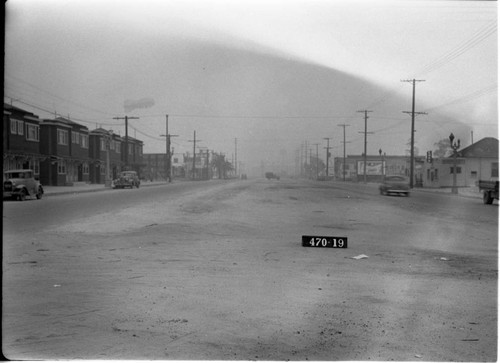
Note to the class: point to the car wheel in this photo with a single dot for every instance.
(487, 199)
(22, 195)
(39, 194)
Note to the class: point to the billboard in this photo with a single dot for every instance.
(373, 167)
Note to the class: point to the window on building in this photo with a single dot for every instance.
(85, 168)
(103, 169)
(494, 170)
(130, 149)
(32, 132)
(117, 147)
(35, 166)
(16, 127)
(103, 144)
(176, 160)
(428, 174)
(84, 141)
(75, 139)
(20, 127)
(61, 167)
(13, 127)
(459, 170)
(436, 174)
(62, 137)
(473, 174)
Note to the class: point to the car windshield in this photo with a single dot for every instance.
(17, 175)
(396, 178)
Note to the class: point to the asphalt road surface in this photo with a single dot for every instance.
(217, 271)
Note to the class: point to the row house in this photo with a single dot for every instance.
(102, 141)
(62, 152)
(66, 145)
(132, 154)
(21, 140)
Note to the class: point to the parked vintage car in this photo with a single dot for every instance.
(395, 184)
(127, 179)
(20, 184)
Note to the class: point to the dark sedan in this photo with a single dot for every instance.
(395, 184)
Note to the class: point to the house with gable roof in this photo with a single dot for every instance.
(475, 162)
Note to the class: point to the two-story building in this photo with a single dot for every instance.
(132, 158)
(101, 142)
(66, 145)
(21, 140)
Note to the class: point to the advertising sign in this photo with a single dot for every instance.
(374, 167)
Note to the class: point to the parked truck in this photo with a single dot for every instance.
(489, 189)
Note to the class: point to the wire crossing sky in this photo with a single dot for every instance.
(272, 74)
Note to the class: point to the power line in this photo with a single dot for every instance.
(477, 38)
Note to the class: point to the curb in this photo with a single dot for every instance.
(102, 189)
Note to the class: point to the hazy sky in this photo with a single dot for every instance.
(272, 74)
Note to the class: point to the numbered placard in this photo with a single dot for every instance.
(325, 242)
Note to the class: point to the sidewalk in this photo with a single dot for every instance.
(469, 192)
(87, 188)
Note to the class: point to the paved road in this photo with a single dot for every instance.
(216, 270)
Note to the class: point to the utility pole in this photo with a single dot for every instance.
(317, 161)
(194, 153)
(108, 137)
(413, 113)
(327, 154)
(305, 161)
(236, 157)
(366, 132)
(126, 118)
(310, 163)
(343, 163)
(168, 154)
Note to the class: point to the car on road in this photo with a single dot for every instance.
(21, 183)
(395, 184)
(271, 175)
(127, 179)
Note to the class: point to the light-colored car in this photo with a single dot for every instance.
(127, 179)
(395, 184)
(20, 184)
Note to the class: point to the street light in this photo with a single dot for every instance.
(455, 147)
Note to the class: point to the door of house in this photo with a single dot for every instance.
(80, 172)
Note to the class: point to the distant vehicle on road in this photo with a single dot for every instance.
(270, 175)
(127, 179)
(489, 189)
(395, 184)
(20, 184)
